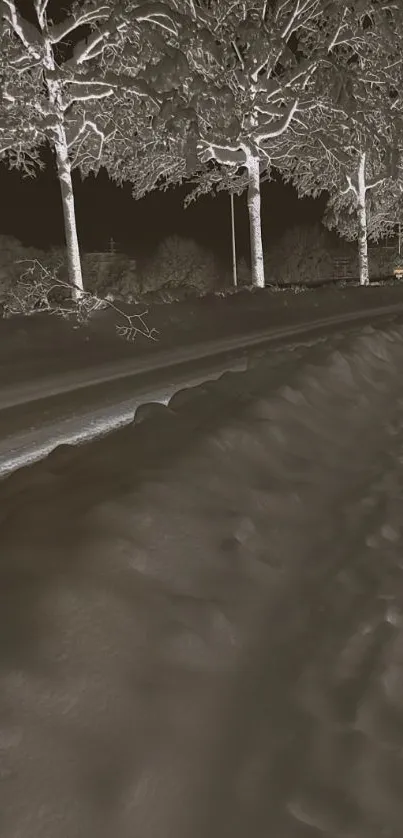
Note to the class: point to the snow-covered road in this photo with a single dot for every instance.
(36, 415)
(201, 616)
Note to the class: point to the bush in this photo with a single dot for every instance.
(12, 254)
(104, 274)
(243, 272)
(381, 261)
(111, 273)
(244, 277)
(303, 255)
(38, 290)
(180, 264)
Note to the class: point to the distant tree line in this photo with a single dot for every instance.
(218, 93)
(304, 256)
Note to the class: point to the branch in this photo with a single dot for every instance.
(75, 94)
(334, 41)
(106, 85)
(24, 30)
(132, 85)
(375, 183)
(41, 6)
(225, 155)
(157, 13)
(35, 292)
(58, 31)
(82, 132)
(350, 188)
(267, 132)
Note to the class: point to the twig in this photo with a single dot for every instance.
(33, 293)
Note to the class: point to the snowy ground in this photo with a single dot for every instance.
(202, 615)
(42, 345)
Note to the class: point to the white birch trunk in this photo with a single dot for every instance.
(65, 179)
(234, 266)
(362, 223)
(255, 224)
(69, 214)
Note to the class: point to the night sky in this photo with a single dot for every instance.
(30, 210)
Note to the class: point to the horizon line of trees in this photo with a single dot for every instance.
(215, 93)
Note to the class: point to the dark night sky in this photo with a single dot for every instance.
(30, 209)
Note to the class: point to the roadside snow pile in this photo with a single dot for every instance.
(156, 586)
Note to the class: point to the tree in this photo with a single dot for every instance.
(353, 148)
(366, 198)
(251, 76)
(217, 115)
(73, 84)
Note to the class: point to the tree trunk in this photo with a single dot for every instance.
(255, 224)
(64, 172)
(69, 214)
(234, 267)
(362, 223)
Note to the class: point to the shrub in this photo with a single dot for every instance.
(180, 264)
(12, 254)
(37, 291)
(244, 277)
(301, 256)
(243, 272)
(381, 261)
(111, 273)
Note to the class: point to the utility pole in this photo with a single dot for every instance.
(234, 269)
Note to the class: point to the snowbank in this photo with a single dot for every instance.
(178, 599)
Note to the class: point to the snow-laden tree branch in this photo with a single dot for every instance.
(24, 30)
(58, 32)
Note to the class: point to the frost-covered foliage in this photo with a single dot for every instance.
(180, 263)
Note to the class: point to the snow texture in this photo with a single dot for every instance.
(202, 613)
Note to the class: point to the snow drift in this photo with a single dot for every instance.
(187, 602)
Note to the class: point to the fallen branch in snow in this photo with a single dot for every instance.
(36, 286)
